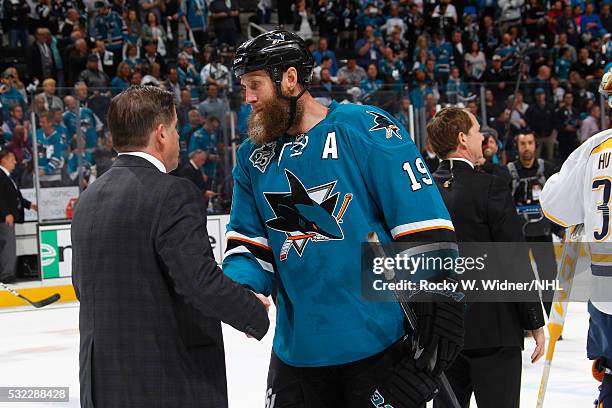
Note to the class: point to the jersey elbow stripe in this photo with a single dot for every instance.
(554, 219)
(264, 257)
(420, 226)
(259, 241)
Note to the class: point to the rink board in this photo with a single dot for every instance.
(57, 273)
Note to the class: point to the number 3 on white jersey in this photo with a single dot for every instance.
(603, 206)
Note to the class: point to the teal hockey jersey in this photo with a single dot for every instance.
(302, 207)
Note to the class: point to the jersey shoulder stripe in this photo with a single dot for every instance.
(606, 144)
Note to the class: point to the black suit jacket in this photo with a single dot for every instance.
(195, 175)
(35, 62)
(482, 210)
(151, 293)
(11, 200)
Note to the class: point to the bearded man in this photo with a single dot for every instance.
(309, 185)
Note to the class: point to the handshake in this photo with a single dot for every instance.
(265, 301)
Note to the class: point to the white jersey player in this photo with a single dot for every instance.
(580, 194)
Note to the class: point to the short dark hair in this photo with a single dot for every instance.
(444, 129)
(136, 112)
(5, 151)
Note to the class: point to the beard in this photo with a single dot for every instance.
(273, 120)
(526, 156)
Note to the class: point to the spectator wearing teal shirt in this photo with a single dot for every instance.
(50, 149)
(58, 124)
(563, 64)
(131, 57)
(455, 87)
(420, 89)
(90, 125)
(206, 139)
(188, 77)
(109, 27)
(9, 95)
(76, 156)
(368, 48)
(322, 52)
(370, 17)
(194, 14)
(442, 51)
(122, 81)
(370, 84)
(507, 52)
(194, 123)
(392, 69)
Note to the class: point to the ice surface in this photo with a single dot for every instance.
(40, 348)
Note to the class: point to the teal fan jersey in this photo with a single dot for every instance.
(302, 207)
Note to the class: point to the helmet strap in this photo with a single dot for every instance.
(292, 99)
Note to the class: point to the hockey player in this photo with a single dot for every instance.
(580, 194)
(309, 185)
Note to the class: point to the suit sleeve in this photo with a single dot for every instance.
(505, 226)
(181, 241)
(248, 257)
(5, 208)
(503, 221)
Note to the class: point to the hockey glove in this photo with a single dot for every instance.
(406, 386)
(440, 332)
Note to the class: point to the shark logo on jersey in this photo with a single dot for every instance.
(381, 122)
(276, 38)
(306, 214)
(262, 156)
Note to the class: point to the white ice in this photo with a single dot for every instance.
(40, 348)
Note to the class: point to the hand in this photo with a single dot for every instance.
(440, 332)
(33, 207)
(9, 219)
(540, 340)
(210, 194)
(264, 300)
(41, 172)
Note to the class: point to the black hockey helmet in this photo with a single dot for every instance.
(274, 52)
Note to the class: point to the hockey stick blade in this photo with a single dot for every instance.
(389, 274)
(37, 304)
(45, 302)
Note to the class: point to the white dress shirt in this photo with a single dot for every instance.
(151, 159)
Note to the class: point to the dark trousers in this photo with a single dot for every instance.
(8, 251)
(493, 375)
(345, 385)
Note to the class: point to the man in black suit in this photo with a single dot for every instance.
(41, 61)
(152, 295)
(12, 206)
(482, 210)
(192, 170)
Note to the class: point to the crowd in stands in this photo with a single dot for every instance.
(63, 60)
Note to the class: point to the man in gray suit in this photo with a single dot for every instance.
(152, 295)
